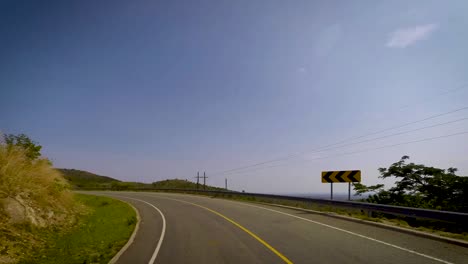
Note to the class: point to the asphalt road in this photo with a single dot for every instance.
(177, 228)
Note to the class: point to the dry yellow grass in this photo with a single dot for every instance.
(32, 195)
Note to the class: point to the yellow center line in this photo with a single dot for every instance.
(272, 249)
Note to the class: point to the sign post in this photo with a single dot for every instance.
(341, 176)
(349, 191)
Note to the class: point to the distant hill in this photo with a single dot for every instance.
(181, 184)
(80, 179)
(84, 179)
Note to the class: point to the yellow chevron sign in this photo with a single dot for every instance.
(341, 176)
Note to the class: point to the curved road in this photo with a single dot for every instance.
(177, 228)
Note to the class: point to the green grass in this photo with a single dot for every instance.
(96, 237)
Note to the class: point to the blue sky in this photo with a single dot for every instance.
(149, 90)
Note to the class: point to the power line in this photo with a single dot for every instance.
(432, 97)
(393, 145)
(342, 141)
(462, 86)
(399, 126)
(395, 134)
(255, 169)
(367, 150)
(370, 140)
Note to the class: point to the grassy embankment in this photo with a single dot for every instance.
(42, 221)
(95, 238)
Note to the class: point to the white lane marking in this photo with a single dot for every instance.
(163, 232)
(349, 232)
(354, 234)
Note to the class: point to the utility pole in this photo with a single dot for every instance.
(198, 179)
(204, 180)
(225, 184)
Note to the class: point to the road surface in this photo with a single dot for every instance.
(178, 228)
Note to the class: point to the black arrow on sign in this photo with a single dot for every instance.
(338, 176)
(351, 176)
(327, 176)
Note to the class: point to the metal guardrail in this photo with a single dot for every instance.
(435, 215)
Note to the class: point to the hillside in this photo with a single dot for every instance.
(84, 179)
(182, 184)
(80, 179)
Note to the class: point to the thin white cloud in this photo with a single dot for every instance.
(404, 37)
(302, 70)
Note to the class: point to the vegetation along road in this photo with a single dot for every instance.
(178, 228)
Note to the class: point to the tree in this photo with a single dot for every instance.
(31, 148)
(418, 185)
(361, 188)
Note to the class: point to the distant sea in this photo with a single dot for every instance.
(326, 196)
